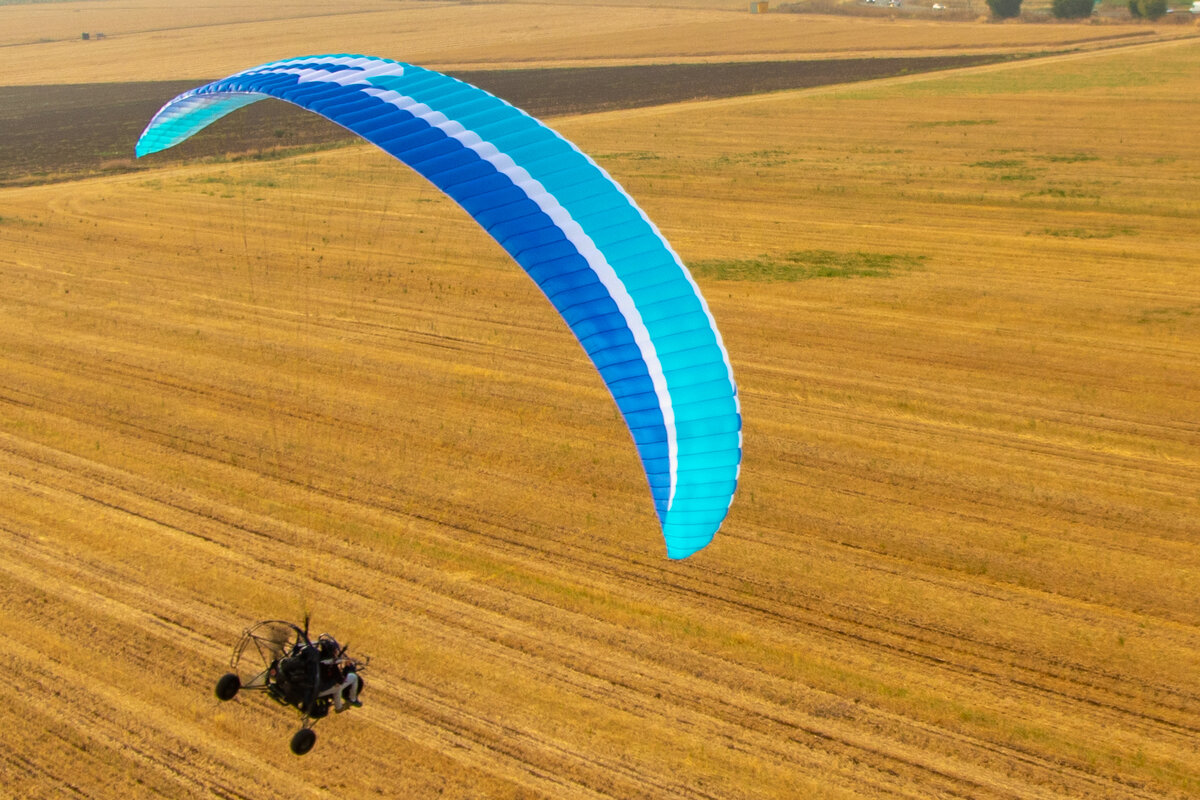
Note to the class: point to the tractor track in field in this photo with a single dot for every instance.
(455, 724)
(114, 371)
(459, 728)
(1085, 464)
(480, 620)
(947, 651)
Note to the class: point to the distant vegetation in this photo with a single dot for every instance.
(881, 8)
(1072, 9)
(970, 11)
(1148, 9)
(1005, 9)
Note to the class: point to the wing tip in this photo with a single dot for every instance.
(684, 543)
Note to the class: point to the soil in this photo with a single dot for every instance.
(61, 132)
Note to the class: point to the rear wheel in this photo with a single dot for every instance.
(303, 741)
(227, 686)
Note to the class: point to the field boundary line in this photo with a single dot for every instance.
(877, 83)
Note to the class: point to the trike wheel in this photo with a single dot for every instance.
(303, 741)
(227, 686)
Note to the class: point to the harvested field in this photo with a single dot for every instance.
(964, 559)
(56, 132)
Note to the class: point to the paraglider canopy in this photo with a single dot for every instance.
(598, 258)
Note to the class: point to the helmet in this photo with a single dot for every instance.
(327, 646)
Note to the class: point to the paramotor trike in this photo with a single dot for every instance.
(278, 658)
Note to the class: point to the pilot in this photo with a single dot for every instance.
(338, 672)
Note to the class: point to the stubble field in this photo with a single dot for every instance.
(963, 561)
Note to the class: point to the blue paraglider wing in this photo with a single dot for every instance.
(597, 257)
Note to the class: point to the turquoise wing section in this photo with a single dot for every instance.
(598, 258)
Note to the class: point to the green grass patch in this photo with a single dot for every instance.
(1069, 158)
(1168, 315)
(756, 158)
(1018, 170)
(1085, 233)
(1067, 193)
(1005, 163)
(951, 123)
(806, 264)
(632, 155)
(229, 179)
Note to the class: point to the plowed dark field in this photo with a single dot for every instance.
(52, 132)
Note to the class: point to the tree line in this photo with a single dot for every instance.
(1077, 9)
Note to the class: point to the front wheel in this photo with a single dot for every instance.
(303, 741)
(228, 686)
